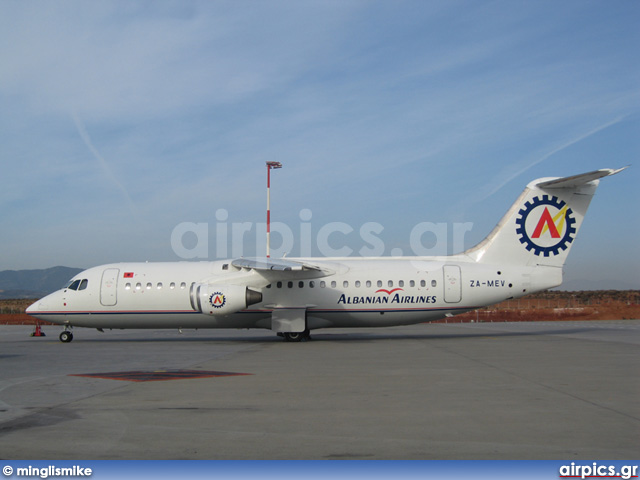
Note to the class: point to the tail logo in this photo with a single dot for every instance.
(546, 225)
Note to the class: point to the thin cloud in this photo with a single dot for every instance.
(505, 180)
(103, 163)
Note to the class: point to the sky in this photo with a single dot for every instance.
(126, 125)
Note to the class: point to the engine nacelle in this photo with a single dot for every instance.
(221, 299)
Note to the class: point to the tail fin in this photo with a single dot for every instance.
(542, 224)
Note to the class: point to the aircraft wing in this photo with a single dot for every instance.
(269, 266)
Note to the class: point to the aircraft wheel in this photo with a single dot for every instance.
(66, 336)
(297, 336)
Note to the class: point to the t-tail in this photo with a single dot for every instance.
(540, 227)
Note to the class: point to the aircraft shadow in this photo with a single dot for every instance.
(337, 337)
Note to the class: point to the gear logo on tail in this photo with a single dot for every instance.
(546, 225)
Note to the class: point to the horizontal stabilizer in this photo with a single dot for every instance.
(577, 180)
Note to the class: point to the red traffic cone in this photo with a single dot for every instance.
(38, 331)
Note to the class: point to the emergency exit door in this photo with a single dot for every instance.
(452, 284)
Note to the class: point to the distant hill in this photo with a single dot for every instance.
(34, 283)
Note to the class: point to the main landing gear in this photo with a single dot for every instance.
(66, 336)
(297, 336)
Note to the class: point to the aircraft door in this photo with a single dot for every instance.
(452, 284)
(108, 288)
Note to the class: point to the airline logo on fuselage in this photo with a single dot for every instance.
(384, 296)
(546, 225)
(217, 300)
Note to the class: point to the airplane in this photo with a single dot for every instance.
(523, 254)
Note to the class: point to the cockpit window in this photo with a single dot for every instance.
(77, 284)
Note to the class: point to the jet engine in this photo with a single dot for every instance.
(221, 299)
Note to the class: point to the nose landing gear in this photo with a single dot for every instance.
(66, 336)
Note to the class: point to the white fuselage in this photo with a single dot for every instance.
(363, 292)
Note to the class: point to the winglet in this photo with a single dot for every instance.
(577, 180)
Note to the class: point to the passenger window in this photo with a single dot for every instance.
(127, 286)
(149, 285)
(368, 283)
(390, 283)
(322, 284)
(423, 283)
(74, 285)
(269, 286)
(412, 283)
(172, 285)
(357, 283)
(333, 284)
(345, 284)
(379, 283)
(290, 284)
(433, 283)
(225, 266)
(312, 284)
(159, 286)
(83, 284)
(401, 283)
(138, 286)
(300, 284)
(183, 285)
(279, 284)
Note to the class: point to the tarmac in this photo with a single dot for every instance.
(540, 390)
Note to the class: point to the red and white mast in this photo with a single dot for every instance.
(270, 165)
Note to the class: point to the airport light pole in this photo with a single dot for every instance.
(270, 165)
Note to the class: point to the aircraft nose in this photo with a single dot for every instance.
(39, 306)
(33, 308)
